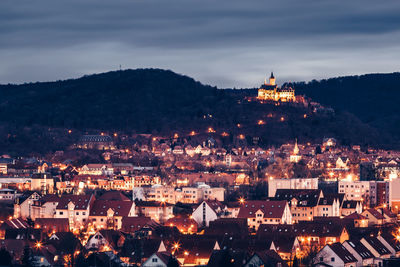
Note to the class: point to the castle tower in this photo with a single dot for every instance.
(272, 79)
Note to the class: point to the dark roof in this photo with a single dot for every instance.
(81, 202)
(305, 197)
(321, 228)
(25, 196)
(132, 224)
(140, 203)
(392, 241)
(360, 249)
(17, 223)
(227, 226)
(376, 214)
(24, 233)
(233, 258)
(342, 252)
(355, 216)
(350, 204)
(47, 198)
(328, 199)
(164, 256)
(147, 246)
(249, 244)
(120, 208)
(270, 258)
(112, 236)
(270, 209)
(388, 213)
(114, 195)
(377, 245)
(56, 224)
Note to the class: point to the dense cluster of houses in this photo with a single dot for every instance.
(168, 202)
(306, 226)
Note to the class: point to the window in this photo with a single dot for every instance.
(332, 259)
(61, 212)
(321, 258)
(154, 260)
(77, 213)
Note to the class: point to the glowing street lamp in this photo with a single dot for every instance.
(38, 245)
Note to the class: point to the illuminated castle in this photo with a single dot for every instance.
(270, 91)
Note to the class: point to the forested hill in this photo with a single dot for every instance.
(162, 102)
(374, 98)
(141, 99)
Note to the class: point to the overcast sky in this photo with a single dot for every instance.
(227, 43)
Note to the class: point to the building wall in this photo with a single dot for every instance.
(203, 214)
(294, 183)
(355, 190)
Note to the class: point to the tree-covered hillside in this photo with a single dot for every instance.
(374, 98)
(162, 102)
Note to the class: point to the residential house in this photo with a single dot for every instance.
(360, 252)
(303, 202)
(376, 247)
(350, 207)
(267, 258)
(208, 211)
(23, 204)
(336, 255)
(106, 240)
(45, 207)
(108, 214)
(76, 208)
(157, 211)
(265, 212)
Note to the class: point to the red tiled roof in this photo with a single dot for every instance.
(376, 214)
(56, 224)
(81, 202)
(120, 208)
(271, 209)
(355, 216)
(114, 195)
(132, 224)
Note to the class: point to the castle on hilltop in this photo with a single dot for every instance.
(271, 91)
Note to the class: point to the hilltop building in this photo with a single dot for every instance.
(271, 91)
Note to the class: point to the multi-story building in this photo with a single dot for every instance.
(157, 211)
(303, 202)
(23, 204)
(76, 208)
(259, 212)
(293, 183)
(185, 194)
(109, 213)
(355, 190)
(97, 169)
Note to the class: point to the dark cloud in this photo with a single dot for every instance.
(226, 43)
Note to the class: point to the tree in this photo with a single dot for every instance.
(172, 262)
(295, 261)
(5, 257)
(27, 257)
